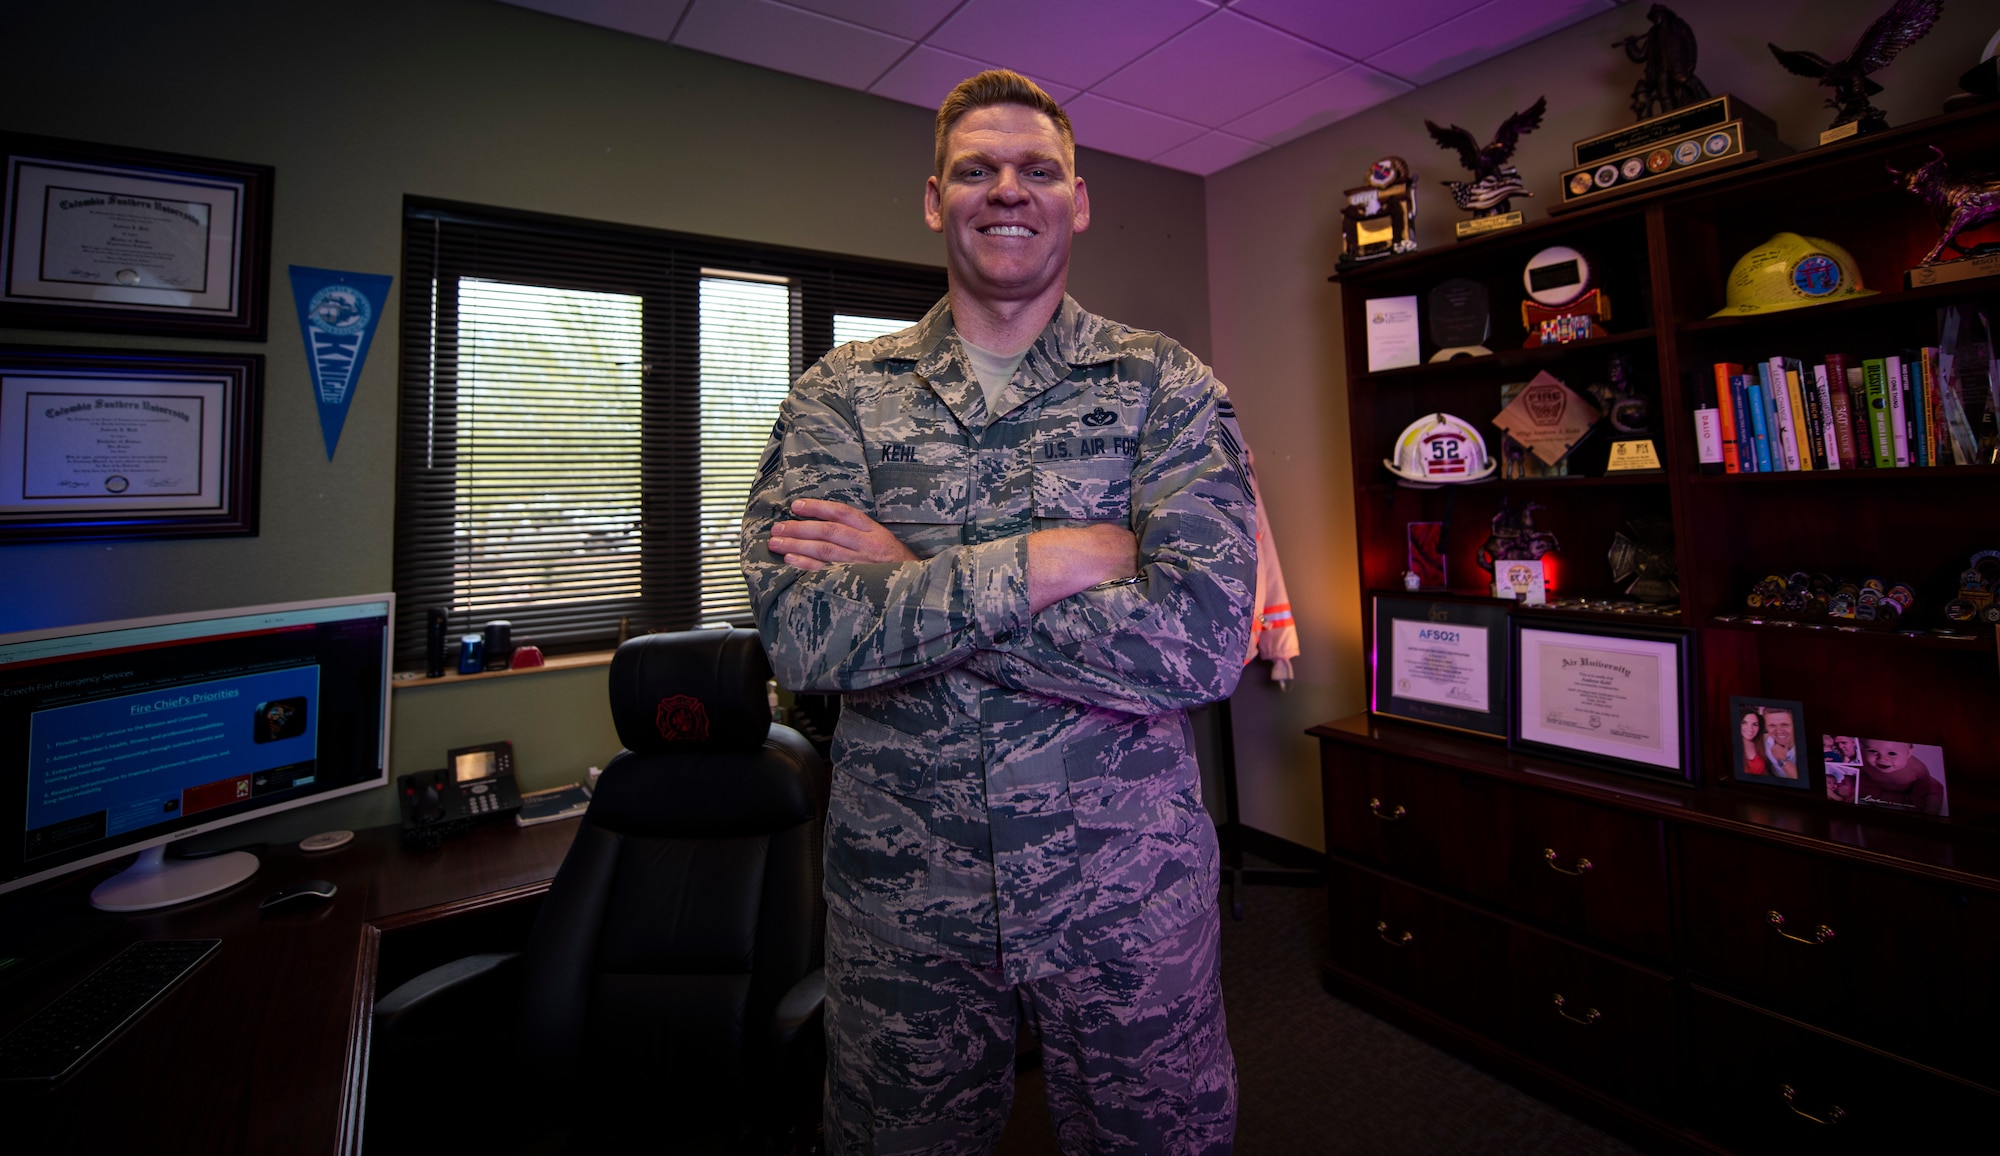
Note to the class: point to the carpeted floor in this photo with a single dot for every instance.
(1319, 1077)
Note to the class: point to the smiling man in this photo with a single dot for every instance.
(1018, 540)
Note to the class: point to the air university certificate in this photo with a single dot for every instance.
(1602, 695)
(1440, 662)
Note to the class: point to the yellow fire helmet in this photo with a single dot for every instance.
(1789, 271)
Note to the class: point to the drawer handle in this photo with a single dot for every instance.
(1822, 935)
(1549, 857)
(1586, 1019)
(1382, 933)
(1834, 1115)
(1389, 816)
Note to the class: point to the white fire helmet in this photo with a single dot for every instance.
(1440, 449)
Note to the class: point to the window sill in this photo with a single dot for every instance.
(414, 679)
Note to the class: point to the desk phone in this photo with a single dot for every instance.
(476, 785)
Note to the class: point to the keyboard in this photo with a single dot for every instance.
(58, 1038)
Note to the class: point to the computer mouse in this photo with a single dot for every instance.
(312, 891)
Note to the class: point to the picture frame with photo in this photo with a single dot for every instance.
(1893, 774)
(1764, 742)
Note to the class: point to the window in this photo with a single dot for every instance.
(582, 411)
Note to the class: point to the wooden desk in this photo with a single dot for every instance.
(264, 1048)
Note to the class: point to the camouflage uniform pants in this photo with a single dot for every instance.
(920, 1049)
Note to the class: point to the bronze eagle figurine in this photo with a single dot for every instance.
(1902, 25)
(1494, 179)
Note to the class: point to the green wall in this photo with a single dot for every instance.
(357, 106)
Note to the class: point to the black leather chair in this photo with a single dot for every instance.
(670, 991)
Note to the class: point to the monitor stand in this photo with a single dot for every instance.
(156, 881)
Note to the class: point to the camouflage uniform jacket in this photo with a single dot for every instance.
(1013, 788)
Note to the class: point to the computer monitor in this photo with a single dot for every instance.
(126, 736)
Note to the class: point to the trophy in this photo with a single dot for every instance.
(1460, 320)
(1959, 205)
(1681, 130)
(1517, 554)
(1902, 25)
(1495, 181)
(1628, 413)
(1668, 52)
(1380, 217)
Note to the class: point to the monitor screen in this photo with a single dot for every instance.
(120, 736)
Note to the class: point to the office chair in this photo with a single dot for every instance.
(669, 996)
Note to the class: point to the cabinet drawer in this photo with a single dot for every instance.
(1601, 1020)
(1585, 870)
(1902, 964)
(1428, 950)
(1766, 1084)
(1411, 817)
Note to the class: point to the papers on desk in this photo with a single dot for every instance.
(550, 805)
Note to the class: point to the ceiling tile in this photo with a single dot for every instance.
(1481, 34)
(926, 75)
(1125, 130)
(654, 18)
(1082, 45)
(1317, 105)
(906, 18)
(1355, 28)
(1208, 153)
(1220, 69)
(790, 40)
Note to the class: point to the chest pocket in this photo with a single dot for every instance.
(925, 503)
(1092, 489)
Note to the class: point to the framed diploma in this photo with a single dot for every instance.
(128, 241)
(1442, 662)
(1617, 696)
(128, 444)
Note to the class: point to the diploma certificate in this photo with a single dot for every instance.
(1601, 695)
(1440, 662)
(110, 444)
(96, 235)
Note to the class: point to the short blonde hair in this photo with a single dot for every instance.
(1001, 86)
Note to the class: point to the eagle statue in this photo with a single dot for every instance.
(1494, 180)
(1902, 25)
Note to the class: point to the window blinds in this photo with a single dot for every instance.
(582, 408)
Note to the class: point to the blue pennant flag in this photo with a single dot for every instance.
(337, 317)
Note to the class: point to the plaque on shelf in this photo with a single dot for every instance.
(1564, 303)
(1521, 579)
(1634, 455)
(1548, 417)
(1392, 333)
(1461, 320)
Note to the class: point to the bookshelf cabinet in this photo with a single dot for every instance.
(1864, 1013)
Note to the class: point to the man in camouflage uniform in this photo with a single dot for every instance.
(1019, 541)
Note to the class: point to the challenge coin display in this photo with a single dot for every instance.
(1695, 138)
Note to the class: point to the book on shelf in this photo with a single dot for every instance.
(1746, 444)
(1857, 403)
(1834, 429)
(1898, 385)
(1806, 416)
(1725, 406)
(1762, 417)
(1778, 418)
(1881, 441)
